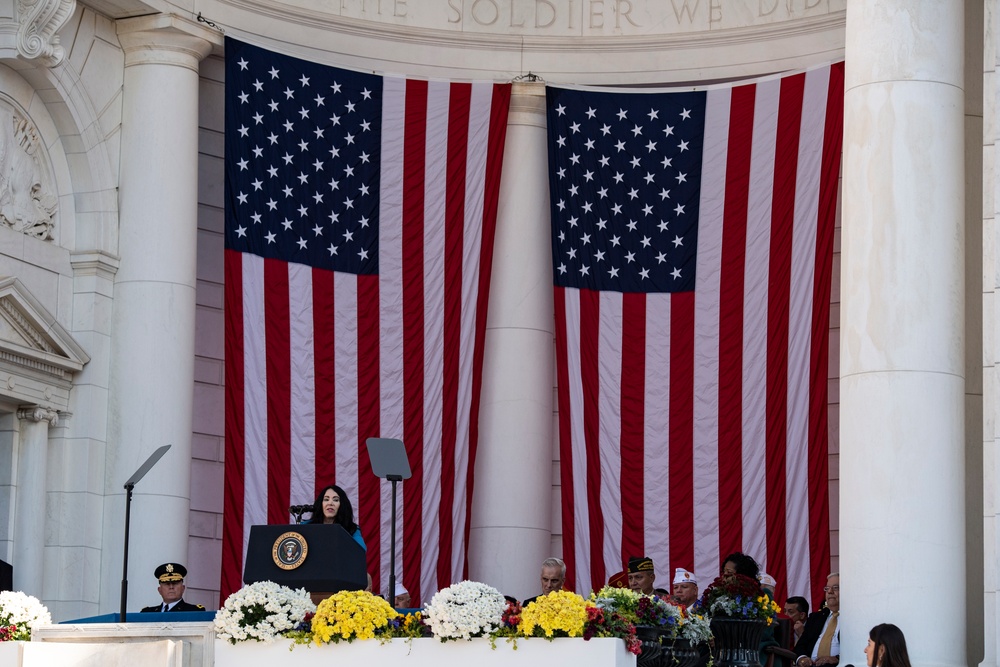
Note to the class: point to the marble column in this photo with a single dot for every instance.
(511, 531)
(29, 512)
(153, 329)
(902, 507)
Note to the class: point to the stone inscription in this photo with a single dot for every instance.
(581, 17)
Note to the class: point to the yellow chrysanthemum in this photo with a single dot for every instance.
(559, 611)
(350, 615)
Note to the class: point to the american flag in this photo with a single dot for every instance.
(692, 240)
(360, 214)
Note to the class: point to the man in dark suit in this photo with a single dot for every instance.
(171, 589)
(820, 641)
(797, 609)
(553, 577)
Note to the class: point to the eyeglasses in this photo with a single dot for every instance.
(831, 589)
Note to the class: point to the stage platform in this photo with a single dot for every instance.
(193, 644)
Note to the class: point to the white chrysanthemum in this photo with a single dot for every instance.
(465, 610)
(25, 612)
(262, 611)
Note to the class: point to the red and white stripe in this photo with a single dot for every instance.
(695, 424)
(317, 361)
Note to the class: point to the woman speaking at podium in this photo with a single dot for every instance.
(333, 506)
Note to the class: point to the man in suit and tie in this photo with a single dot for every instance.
(171, 589)
(820, 641)
(553, 578)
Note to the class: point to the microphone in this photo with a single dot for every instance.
(298, 510)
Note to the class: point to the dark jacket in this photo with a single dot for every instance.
(180, 606)
(811, 632)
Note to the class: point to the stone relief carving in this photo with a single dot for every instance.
(38, 21)
(27, 199)
(37, 413)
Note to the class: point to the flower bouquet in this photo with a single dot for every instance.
(465, 610)
(350, 615)
(19, 615)
(738, 596)
(624, 601)
(262, 611)
(693, 627)
(510, 622)
(605, 622)
(740, 613)
(408, 626)
(558, 614)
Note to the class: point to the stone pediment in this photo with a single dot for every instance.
(38, 357)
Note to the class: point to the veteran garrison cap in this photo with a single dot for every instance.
(619, 580)
(640, 564)
(170, 572)
(682, 576)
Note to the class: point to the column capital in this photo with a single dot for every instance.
(165, 39)
(37, 413)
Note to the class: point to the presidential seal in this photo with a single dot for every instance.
(289, 550)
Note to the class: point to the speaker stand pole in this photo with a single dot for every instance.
(393, 479)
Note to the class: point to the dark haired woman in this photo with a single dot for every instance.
(887, 647)
(333, 506)
(740, 563)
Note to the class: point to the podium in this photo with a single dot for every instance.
(321, 558)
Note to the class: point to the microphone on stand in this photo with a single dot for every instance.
(298, 510)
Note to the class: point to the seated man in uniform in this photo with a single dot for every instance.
(641, 575)
(171, 589)
(685, 587)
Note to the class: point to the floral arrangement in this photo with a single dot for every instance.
(408, 626)
(20, 614)
(465, 610)
(625, 601)
(610, 623)
(558, 614)
(350, 615)
(693, 627)
(510, 624)
(262, 611)
(738, 596)
(658, 613)
(265, 610)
